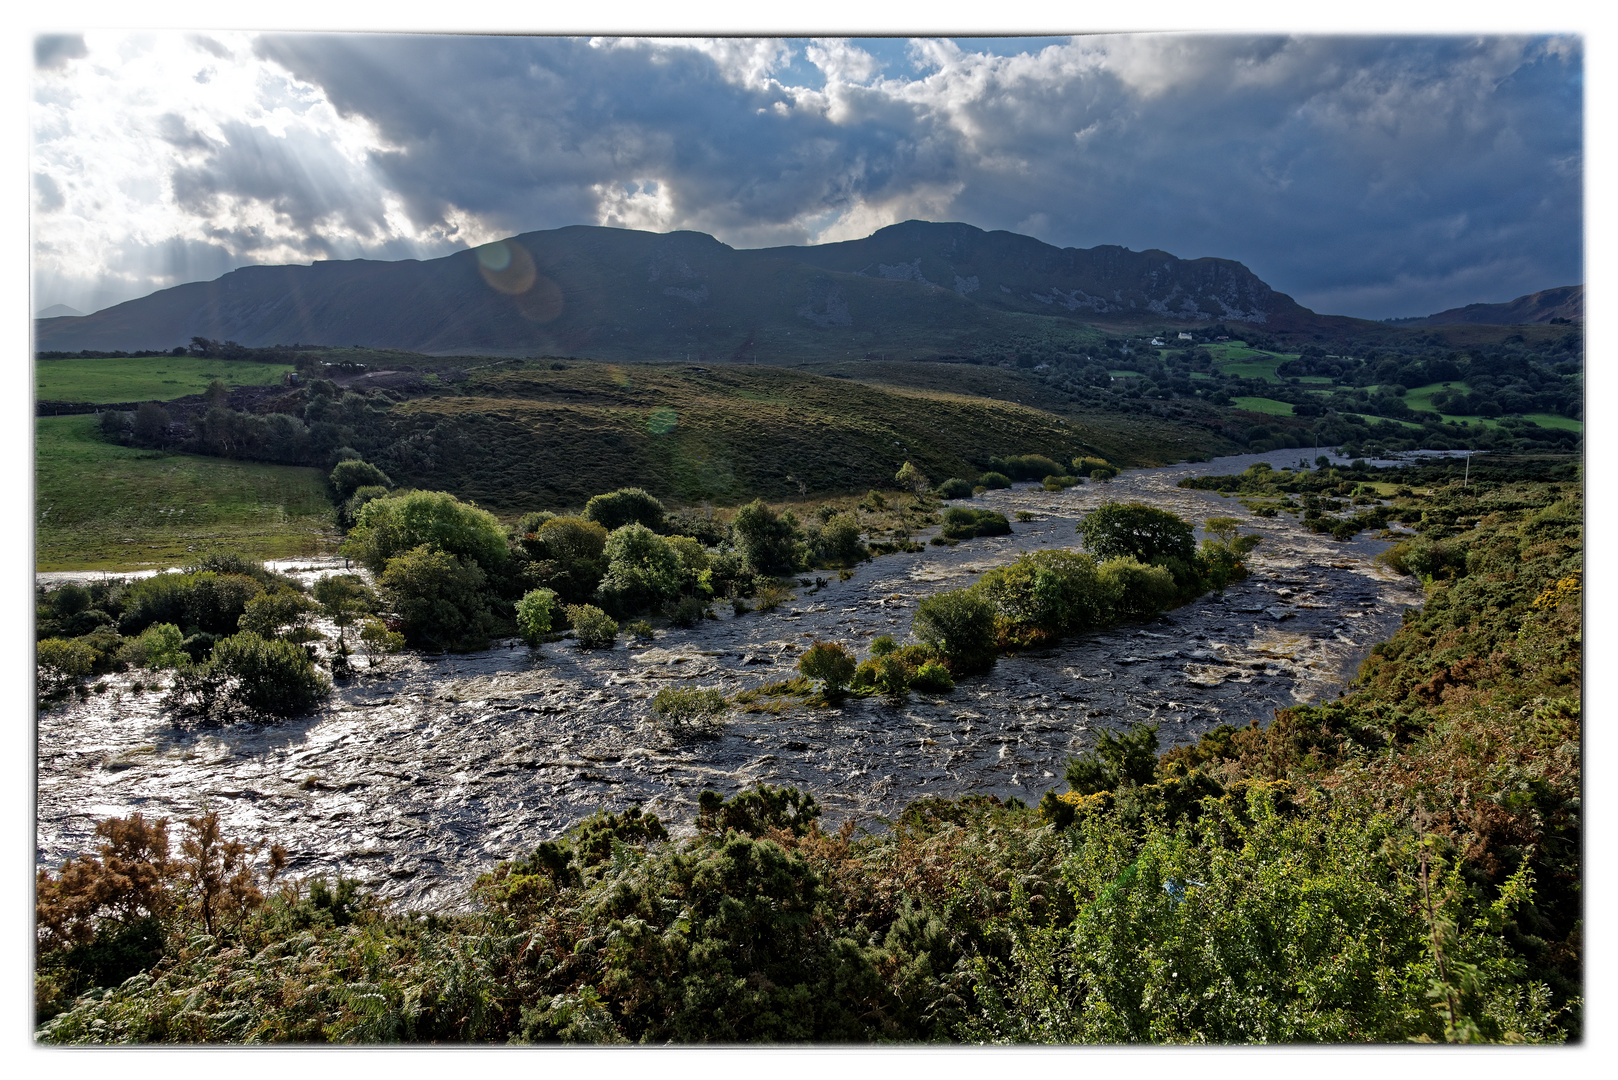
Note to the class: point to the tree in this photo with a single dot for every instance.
(829, 662)
(344, 598)
(626, 506)
(151, 427)
(1139, 531)
(254, 674)
(349, 476)
(911, 478)
(377, 640)
(439, 598)
(390, 526)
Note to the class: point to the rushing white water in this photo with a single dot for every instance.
(421, 774)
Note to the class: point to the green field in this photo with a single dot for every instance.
(1265, 405)
(147, 378)
(1555, 420)
(98, 506)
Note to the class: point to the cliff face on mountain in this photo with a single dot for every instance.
(913, 289)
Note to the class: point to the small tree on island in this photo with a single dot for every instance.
(829, 662)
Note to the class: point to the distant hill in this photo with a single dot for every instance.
(913, 290)
(1565, 303)
(58, 311)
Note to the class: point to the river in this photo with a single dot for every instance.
(424, 772)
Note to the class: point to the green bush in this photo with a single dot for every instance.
(626, 506)
(838, 543)
(534, 614)
(62, 663)
(757, 812)
(392, 525)
(1104, 474)
(932, 677)
(279, 613)
(769, 542)
(643, 571)
(1059, 483)
(377, 640)
(440, 599)
(830, 663)
(1058, 592)
(994, 480)
(157, 647)
(202, 601)
(964, 523)
(275, 677)
(1117, 760)
(349, 476)
(1138, 531)
(641, 630)
(960, 624)
(685, 612)
(955, 488)
(1135, 590)
(911, 478)
(1025, 466)
(883, 644)
(592, 627)
(684, 705)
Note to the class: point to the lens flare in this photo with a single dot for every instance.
(662, 420)
(507, 267)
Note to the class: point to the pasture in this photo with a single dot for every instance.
(103, 380)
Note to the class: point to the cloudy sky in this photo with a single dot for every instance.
(1370, 176)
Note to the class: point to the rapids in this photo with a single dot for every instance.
(422, 773)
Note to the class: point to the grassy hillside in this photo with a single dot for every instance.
(103, 380)
(528, 435)
(99, 506)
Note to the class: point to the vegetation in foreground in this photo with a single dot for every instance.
(1400, 864)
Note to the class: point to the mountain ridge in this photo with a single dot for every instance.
(912, 290)
(1564, 302)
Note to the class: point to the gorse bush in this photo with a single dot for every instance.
(964, 523)
(248, 674)
(955, 488)
(960, 624)
(829, 663)
(994, 480)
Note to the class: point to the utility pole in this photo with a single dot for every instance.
(1466, 478)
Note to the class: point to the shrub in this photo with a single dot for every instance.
(1104, 474)
(964, 523)
(829, 662)
(994, 480)
(1025, 466)
(960, 624)
(1059, 483)
(439, 599)
(955, 488)
(157, 647)
(626, 506)
(279, 613)
(758, 812)
(768, 542)
(883, 645)
(269, 676)
(772, 595)
(349, 476)
(1134, 590)
(592, 627)
(1139, 531)
(344, 598)
(534, 613)
(62, 663)
(392, 525)
(685, 612)
(911, 479)
(643, 570)
(377, 640)
(203, 601)
(932, 677)
(641, 630)
(839, 541)
(1055, 591)
(683, 705)
(1083, 466)
(1130, 758)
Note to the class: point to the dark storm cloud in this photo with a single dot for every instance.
(1365, 176)
(54, 50)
